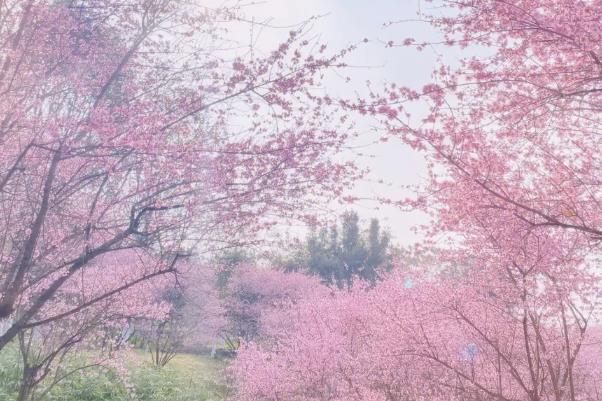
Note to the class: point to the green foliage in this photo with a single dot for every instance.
(228, 261)
(10, 373)
(97, 384)
(187, 378)
(339, 254)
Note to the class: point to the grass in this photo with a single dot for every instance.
(186, 378)
(9, 373)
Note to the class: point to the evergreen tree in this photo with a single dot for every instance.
(339, 254)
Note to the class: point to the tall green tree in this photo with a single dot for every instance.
(344, 252)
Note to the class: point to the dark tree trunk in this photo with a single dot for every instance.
(27, 383)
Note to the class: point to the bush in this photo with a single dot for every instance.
(92, 385)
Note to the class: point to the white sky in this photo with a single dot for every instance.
(350, 21)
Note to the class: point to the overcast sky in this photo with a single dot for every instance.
(350, 21)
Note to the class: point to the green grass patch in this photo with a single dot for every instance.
(186, 378)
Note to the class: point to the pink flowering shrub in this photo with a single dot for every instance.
(255, 295)
(438, 338)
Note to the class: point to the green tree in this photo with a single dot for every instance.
(343, 252)
(228, 261)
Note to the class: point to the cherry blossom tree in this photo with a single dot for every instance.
(511, 310)
(133, 125)
(196, 317)
(485, 334)
(255, 296)
(95, 335)
(511, 129)
(510, 136)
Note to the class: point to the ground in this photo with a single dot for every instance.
(186, 378)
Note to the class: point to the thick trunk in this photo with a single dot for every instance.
(27, 384)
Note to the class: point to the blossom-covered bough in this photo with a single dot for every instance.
(89, 320)
(474, 336)
(511, 135)
(134, 125)
(116, 134)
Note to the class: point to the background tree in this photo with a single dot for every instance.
(253, 293)
(228, 261)
(342, 253)
(196, 317)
